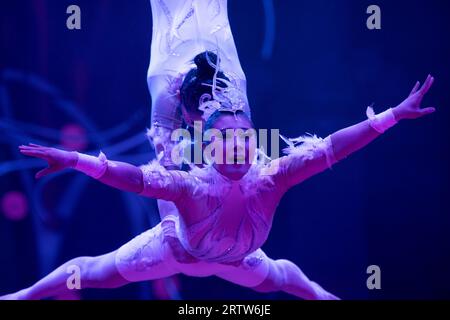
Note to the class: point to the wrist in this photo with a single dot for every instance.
(382, 121)
(92, 166)
(398, 114)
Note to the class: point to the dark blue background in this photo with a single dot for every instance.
(385, 205)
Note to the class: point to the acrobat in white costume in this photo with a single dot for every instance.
(222, 221)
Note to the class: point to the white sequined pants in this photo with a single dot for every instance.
(151, 255)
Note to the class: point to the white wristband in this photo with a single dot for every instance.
(94, 167)
(382, 121)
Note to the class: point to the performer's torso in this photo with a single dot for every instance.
(225, 220)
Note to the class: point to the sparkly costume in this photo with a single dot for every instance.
(222, 223)
(218, 225)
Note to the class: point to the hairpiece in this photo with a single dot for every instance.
(229, 98)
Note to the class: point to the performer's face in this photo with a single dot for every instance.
(238, 134)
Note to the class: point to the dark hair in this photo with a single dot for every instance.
(218, 113)
(193, 88)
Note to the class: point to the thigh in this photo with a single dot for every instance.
(200, 268)
(101, 272)
(146, 257)
(250, 273)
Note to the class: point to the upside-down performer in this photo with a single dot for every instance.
(224, 211)
(185, 35)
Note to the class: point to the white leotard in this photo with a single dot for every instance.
(184, 28)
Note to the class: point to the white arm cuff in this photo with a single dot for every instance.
(381, 122)
(94, 167)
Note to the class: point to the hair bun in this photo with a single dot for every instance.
(203, 62)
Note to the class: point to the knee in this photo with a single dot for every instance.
(275, 280)
(95, 272)
(77, 265)
(79, 270)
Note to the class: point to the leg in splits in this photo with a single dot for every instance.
(95, 272)
(264, 274)
(285, 276)
(143, 258)
(154, 255)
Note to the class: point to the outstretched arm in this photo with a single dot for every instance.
(116, 174)
(353, 138)
(150, 180)
(315, 154)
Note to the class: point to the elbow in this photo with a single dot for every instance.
(139, 183)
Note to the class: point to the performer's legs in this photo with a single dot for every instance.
(95, 272)
(288, 277)
(263, 274)
(182, 29)
(146, 257)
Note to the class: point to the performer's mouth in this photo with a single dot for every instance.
(236, 159)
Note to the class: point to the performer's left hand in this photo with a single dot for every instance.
(410, 108)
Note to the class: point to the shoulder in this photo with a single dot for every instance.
(155, 173)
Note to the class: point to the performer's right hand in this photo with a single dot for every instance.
(57, 159)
